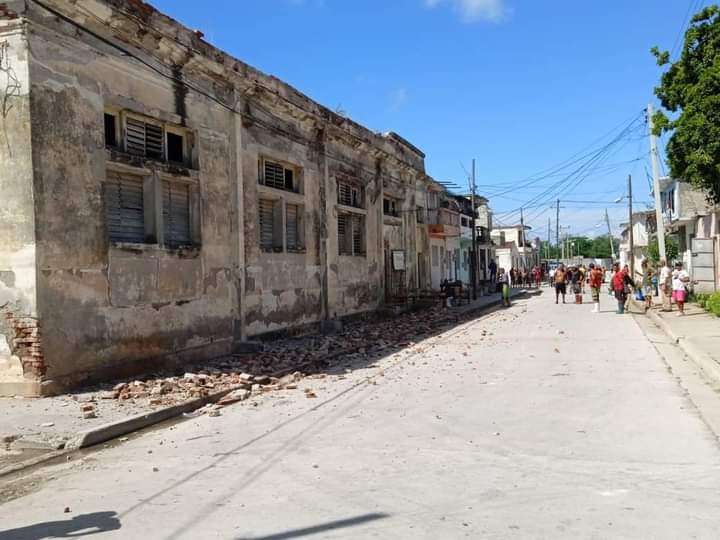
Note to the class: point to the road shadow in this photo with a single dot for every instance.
(76, 527)
(317, 529)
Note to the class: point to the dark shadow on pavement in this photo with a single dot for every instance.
(317, 529)
(77, 527)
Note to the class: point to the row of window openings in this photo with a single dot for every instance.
(128, 198)
(277, 217)
(146, 139)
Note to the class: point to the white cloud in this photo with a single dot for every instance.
(475, 10)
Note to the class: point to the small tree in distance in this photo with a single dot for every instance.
(671, 250)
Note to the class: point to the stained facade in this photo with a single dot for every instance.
(163, 201)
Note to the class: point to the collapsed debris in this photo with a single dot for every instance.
(281, 364)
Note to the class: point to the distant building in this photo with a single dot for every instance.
(643, 229)
(521, 254)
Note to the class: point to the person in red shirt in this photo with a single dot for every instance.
(595, 280)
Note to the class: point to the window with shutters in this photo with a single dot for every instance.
(144, 138)
(294, 231)
(350, 194)
(124, 208)
(148, 138)
(351, 234)
(176, 214)
(270, 225)
(278, 176)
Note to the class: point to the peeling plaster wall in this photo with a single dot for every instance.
(108, 310)
(19, 371)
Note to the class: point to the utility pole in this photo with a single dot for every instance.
(631, 232)
(656, 186)
(522, 236)
(557, 225)
(610, 236)
(547, 248)
(473, 262)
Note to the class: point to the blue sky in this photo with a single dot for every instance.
(519, 85)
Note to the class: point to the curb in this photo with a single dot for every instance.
(701, 359)
(116, 429)
(125, 426)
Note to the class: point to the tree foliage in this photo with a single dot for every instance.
(593, 248)
(690, 90)
(671, 250)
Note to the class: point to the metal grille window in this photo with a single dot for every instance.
(351, 234)
(277, 176)
(143, 139)
(124, 208)
(350, 195)
(294, 228)
(176, 214)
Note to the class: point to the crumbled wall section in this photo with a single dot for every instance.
(23, 336)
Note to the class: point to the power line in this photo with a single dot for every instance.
(693, 7)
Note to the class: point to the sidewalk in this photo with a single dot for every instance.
(697, 334)
(489, 300)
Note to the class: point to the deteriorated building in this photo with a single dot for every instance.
(163, 201)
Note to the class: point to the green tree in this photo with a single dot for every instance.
(690, 89)
(671, 250)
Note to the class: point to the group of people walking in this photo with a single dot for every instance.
(671, 285)
(518, 278)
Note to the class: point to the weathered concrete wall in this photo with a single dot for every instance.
(105, 308)
(282, 289)
(21, 363)
(111, 309)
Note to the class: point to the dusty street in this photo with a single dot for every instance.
(540, 421)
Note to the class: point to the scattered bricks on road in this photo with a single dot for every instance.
(281, 364)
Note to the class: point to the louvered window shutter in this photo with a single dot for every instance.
(344, 234)
(124, 208)
(265, 211)
(143, 139)
(176, 214)
(293, 224)
(344, 194)
(135, 136)
(274, 175)
(358, 233)
(153, 141)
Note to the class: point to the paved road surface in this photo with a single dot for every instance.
(501, 428)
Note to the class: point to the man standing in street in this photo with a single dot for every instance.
(560, 279)
(595, 280)
(493, 270)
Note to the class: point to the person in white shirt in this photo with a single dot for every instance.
(680, 278)
(665, 285)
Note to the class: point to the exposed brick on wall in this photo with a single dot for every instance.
(24, 341)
